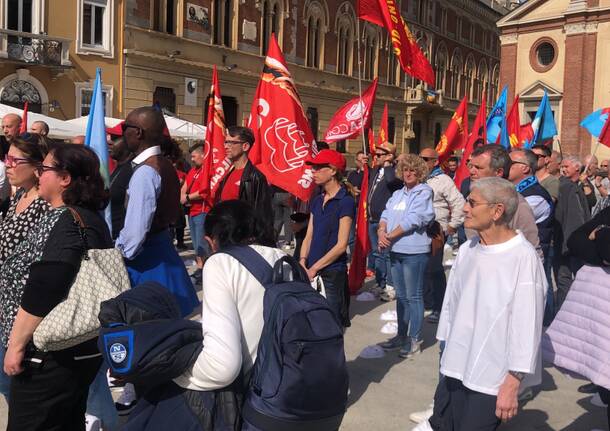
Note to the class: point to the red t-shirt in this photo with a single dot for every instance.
(193, 184)
(231, 188)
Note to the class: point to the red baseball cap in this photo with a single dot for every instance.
(328, 157)
(116, 130)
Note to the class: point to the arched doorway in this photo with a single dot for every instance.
(17, 88)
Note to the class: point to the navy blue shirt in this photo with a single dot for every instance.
(326, 226)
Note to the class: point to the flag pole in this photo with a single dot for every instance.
(360, 86)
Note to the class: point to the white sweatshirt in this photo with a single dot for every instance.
(491, 319)
(231, 319)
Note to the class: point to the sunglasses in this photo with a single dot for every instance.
(41, 169)
(234, 142)
(125, 125)
(11, 161)
(316, 168)
(428, 159)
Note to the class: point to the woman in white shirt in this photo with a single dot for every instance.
(491, 321)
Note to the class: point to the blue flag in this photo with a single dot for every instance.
(595, 121)
(496, 118)
(504, 139)
(96, 135)
(543, 125)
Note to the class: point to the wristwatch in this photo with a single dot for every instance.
(517, 375)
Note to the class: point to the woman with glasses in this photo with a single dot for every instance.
(403, 230)
(25, 210)
(49, 389)
(324, 248)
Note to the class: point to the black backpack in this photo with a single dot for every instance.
(299, 380)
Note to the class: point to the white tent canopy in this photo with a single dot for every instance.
(57, 128)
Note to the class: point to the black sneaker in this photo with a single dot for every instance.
(589, 388)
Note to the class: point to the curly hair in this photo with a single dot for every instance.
(414, 162)
(86, 189)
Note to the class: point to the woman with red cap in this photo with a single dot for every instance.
(324, 248)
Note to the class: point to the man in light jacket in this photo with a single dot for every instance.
(449, 213)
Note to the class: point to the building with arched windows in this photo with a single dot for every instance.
(163, 51)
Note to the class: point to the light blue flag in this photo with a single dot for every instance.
(96, 135)
(595, 121)
(497, 117)
(543, 126)
(504, 139)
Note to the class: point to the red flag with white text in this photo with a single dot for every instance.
(386, 13)
(456, 133)
(362, 243)
(215, 163)
(353, 117)
(477, 137)
(284, 141)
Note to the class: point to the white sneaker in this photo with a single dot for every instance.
(389, 316)
(92, 423)
(388, 295)
(423, 426)
(422, 416)
(449, 262)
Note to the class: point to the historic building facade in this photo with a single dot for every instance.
(164, 50)
(561, 46)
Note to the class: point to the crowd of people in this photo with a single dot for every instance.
(519, 229)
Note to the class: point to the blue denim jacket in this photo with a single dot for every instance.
(412, 210)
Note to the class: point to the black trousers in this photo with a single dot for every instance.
(52, 397)
(457, 408)
(337, 294)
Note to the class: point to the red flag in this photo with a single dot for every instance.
(383, 127)
(371, 142)
(283, 137)
(526, 133)
(362, 244)
(479, 134)
(604, 136)
(215, 164)
(353, 117)
(386, 13)
(514, 125)
(456, 133)
(24, 119)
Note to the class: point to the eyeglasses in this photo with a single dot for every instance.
(41, 169)
(515, 162)
(316, 168)
(125, 125)
(234, 142)
(603, 166)
(473, 204)
(11, 161)
(428, 159)
(538, 156)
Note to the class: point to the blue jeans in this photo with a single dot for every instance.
(5, 380)
(100, 403)
(408, 275)
(380, 260)
(200, 245)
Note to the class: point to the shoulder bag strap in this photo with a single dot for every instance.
(253, 261)
(78, 221)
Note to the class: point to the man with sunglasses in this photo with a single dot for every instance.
(244, 181)
(545, 178)
(382, 183)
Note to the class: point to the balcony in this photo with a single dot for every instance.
(34, 49)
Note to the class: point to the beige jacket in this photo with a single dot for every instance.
(448, 202)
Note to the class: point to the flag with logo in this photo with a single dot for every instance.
(513, 125)
(477, 138)
(362, 243)
(24, 119)
(215, 164)
(456, 133)
(598, 124)
(284, 140)
(383, 127)
(371, 142)
(386, 13)
(353, 117)
(543, 125)
(525, 133)
(496, 118)
(95, 137)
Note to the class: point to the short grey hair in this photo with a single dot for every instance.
(501, 191)
(574, 160)
(530, 158)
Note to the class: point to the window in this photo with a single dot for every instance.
(440, 63)
(482, 81)
(84, 94)
(391, 129)
(469, 78)
(340, 146)
(316, 22)
(371, 48)
(345, 29)
(19, 15)
(456, 75)
(271, 15)
(165, 98)
(392, 67)
(95, 27)
(312, 117)
(223, 22)
(545, 53)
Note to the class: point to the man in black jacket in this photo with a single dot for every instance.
(382, 183)
(244, 181)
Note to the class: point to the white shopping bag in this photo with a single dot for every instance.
(318, 284)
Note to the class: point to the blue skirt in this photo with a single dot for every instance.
(158, 261)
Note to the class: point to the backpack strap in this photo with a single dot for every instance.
(253, 261)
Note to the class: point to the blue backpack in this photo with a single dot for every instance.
(299, 380)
